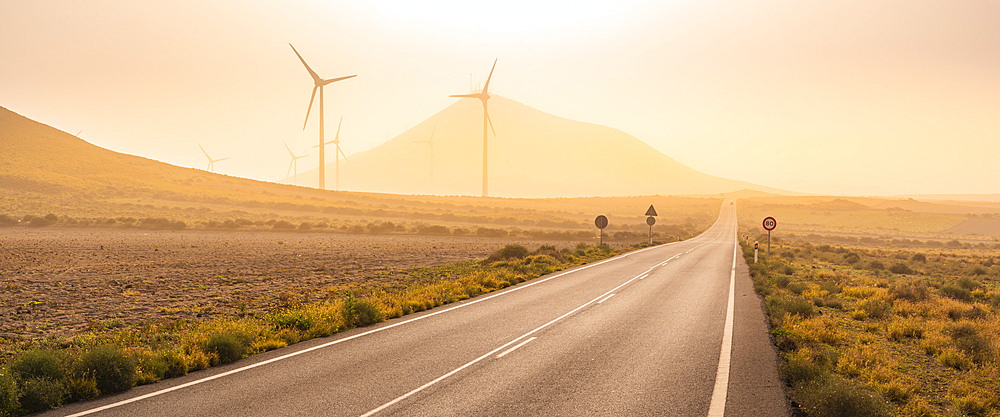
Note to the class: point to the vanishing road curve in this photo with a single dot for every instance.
(669, 330)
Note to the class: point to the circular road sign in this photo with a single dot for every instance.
(770, 223)
(650, 220)
(601, 222)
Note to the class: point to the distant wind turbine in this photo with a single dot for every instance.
(431, 143)
(483, 96)
(336, 141)
(318, 84)
(295, 162)
(211, 162)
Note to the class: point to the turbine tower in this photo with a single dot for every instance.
(431, 143)
(483, 96)
(211, 162)
(318, 83)
(295, 162)
(336, 141)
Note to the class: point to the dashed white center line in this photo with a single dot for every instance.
(515, 347)
(606, 298)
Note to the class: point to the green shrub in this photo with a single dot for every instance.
(851, 258)
(911, 290)
(778, 306)
(226, 347)
(8, 394)
(876, 265)
(835, 397)
(357, 313)
(800, 371)
(508, 252)
(39, 394)
(112, 370)
(830, 287)
(919, 257)
(782, 281)
(958, 293)
(969, 283)
(876, 308)
(900, 268)
(44, 364)
(797, 288)
(80, 389)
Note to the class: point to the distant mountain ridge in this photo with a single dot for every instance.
(535, 154)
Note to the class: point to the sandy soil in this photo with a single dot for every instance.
(64, 281)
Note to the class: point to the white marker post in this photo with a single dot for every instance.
(755, 251)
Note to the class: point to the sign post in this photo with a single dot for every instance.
(601, 222)
(769, 224)
(650, 220)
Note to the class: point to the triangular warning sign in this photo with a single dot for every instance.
(651, 211)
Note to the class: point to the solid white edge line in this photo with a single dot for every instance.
(283, 357)
(606, 298)
(504, 353)
(474, 361)
(717, 407)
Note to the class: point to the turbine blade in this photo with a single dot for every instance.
(223, 159)
(289, 150)
(316, 78)
(486, 88)
(465, 95)
(333, 80)
(336, 139)
(206, 153)
(78, 133)
(342, 153)
(491, 123)
(289, 168)
(431, 140)
(311, 98)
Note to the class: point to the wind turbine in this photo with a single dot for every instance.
(431, 143)
(483, 96)
(318, 84)
(211, 162)
(336, 141)
(295, 162)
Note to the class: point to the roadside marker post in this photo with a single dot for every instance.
(650, 220)
(769, 223)
(601, 222)
(755, 251)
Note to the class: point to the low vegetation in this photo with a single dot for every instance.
(43, 374)
(880, 330)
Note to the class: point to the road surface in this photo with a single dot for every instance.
(675, 329)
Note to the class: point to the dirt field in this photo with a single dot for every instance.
(65, 281)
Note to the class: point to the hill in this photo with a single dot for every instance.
(534, 154)
(44, 170)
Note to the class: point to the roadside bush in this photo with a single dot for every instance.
(851, 258)
(919, 257)
(39, 394)
(226, 347)
(799, 371)
(778, 306)
(901, 268)
(362, 313)
(876, 266)
(111, 369)
(508, 252)
(80, 389)
(8, 394)
(969, 283)
(44, 364)
(835, 397)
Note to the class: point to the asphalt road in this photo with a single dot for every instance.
(644, 333)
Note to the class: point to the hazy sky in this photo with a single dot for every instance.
(858, 97)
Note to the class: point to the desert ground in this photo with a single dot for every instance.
(64, 281)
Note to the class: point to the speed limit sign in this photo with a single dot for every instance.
(770, 223)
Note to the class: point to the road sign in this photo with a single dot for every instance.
(601, 222)
(651, 221)
(651, 211)
(769, 223)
